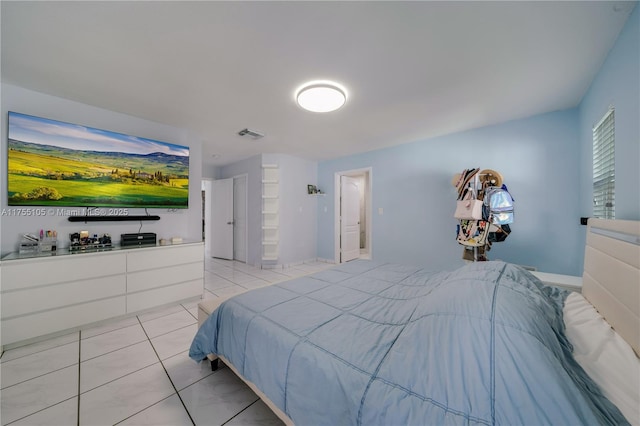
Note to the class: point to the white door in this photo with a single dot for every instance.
(240, 218)
(349, 219)
(222, 218)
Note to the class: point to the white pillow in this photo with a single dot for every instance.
(604, 355)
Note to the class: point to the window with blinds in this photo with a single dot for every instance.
(604, 170)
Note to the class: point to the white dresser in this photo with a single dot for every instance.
(45, 295)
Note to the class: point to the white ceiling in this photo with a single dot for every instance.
(413, 70)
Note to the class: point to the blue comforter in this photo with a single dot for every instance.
(382, 344)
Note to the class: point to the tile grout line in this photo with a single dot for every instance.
(241, 411)
(147, 339)
(145, 408)
(158, 311)
(145, 333)
(108, 330)
(168, 376)
(114, 350)
(118, 378)
(168, 332)
(57, 403)
(35, 377)
(38, 411)
(188, 311)
(34, 352)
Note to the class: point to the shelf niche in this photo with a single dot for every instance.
(270, 209)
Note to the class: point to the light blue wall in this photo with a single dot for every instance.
(538, 158)
(546, 161)
(617, 84)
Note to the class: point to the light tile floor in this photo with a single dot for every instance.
(136, 371)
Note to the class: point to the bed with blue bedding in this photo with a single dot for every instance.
(383, 344)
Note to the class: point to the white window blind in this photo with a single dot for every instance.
(604, 170)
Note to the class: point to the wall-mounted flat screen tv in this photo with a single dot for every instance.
(52, 163)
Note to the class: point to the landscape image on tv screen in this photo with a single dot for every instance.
(52, 163)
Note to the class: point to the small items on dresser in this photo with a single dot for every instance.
(33, 244)
(82, 242)
(29, 244)
(48, 240)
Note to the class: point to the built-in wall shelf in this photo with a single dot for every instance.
(314, 190)
(270, 209)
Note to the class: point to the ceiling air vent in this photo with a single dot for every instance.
(251, 133)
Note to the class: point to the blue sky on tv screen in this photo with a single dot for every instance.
(27, 128)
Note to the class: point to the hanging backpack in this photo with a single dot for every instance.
(497, 206)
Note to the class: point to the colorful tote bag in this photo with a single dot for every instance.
(473, 233)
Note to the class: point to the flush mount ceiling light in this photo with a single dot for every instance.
(321, 96)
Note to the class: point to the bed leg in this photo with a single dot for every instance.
(214, 364)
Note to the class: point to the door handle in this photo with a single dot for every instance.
(230, 223)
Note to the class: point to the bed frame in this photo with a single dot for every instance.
(611, 278)
(611, 283)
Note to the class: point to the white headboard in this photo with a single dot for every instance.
(611, 278)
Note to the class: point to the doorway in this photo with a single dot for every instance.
(227, 235)
(353, 217)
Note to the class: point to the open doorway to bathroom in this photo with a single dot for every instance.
(353, 215)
